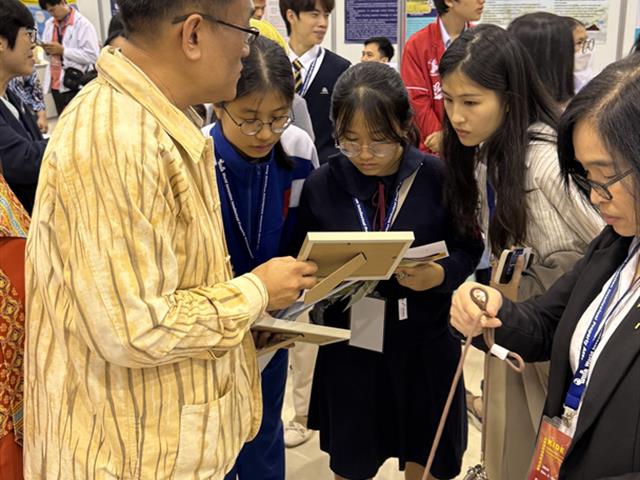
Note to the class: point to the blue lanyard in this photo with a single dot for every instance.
(307, 78)
(364, 221)
(592, 339)
(234, 209)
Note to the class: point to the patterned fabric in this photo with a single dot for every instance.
(297, 75)
(29, 90)
(14, 220)
(139, 363)
(11, 358)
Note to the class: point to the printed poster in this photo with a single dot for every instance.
(370, 18)
(593, 13)
(420, 13)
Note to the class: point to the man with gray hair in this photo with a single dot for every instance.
(139, 359)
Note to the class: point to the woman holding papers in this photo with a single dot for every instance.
(500, 152)
(261, 163)
(588, 322)
(383, 398)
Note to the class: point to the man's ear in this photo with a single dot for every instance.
(291, 15)
(191, 37)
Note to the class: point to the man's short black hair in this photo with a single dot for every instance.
(441, 6)
(384, 45)
(139, 16)
(44, 4)
(14, 16)
(302, 6)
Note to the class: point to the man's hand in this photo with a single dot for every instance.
(284, 279)
(43, 123)
(53, 48)
(434, 141)
(269, 339)
(421, 278)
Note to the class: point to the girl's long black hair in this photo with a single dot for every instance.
(494, 59)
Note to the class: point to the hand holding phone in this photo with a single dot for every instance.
(507, 264)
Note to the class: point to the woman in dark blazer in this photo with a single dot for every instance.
(371, 405)
(593, 312)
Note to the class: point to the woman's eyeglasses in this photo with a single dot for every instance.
(602, 189)
(377, 149)
(252, 127)
(251, 33)
(587, 45)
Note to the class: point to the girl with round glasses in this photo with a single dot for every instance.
(371, 405)
(261, 163)
(588, 322)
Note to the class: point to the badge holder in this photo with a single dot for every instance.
(480, 297)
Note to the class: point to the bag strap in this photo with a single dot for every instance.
(404, 192)
(480, 297)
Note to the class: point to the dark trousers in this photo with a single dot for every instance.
(62, 99)
(263, 457)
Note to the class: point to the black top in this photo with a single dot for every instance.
(607, 439)
(318, 98)
(327, 205)
(21, 149)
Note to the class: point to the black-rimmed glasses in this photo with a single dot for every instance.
(251, 32)
(587, 45)
(252, 127)
(601, 189)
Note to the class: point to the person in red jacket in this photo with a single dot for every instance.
(420, 61)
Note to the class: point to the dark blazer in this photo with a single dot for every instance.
(327, 205)
(607, 440)
(21, 149)
(318, 97)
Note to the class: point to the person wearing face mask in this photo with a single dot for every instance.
(370, 405)
(584, 46)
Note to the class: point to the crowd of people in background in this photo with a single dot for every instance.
(144, 235)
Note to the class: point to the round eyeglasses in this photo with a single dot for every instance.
(602, 189)
(252, 127)
(587, 45)
(377, 149)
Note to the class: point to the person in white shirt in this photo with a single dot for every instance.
(593, 383)
(71, 42)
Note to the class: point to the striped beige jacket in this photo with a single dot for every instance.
(138, 361)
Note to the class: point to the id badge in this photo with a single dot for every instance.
(551, 448)
(367, 323)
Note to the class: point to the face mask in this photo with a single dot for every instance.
(581, 62)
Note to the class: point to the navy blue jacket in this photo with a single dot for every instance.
(327, 205)
(318, 98)
(21, 150)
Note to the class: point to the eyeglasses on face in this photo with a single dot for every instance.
(587, 45)
(251, 33)
(252, 127)
(602, 189)
(377, 149)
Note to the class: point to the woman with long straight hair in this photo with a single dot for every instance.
(500, 151)
(549, 41)
(588, 322)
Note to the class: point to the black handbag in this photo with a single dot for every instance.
(73, 78)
